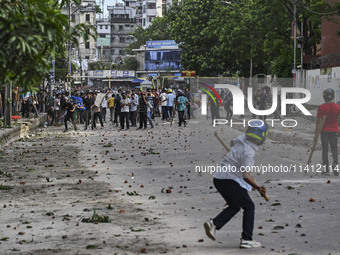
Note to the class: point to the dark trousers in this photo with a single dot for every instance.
(164, 113)
(189, 111)
(95, 116)
(117, 115)
(112, 110)
(104, 113)
(70, 116)
(181, 118)
(87, 117)
(229, 112)
(170, 111)
(142, 120)
(237, 198)
(124, 117)
(133, 118)
(329, 138)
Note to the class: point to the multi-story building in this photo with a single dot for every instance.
(162, 6)
(122, 17)
(85, 13)
(104, 40)
(149, 12)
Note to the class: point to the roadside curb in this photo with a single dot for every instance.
(27, 125)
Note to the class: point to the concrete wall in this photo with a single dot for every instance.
(318, 80)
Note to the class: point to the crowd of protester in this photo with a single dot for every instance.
(125, 109)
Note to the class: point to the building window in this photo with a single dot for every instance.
(144, 9)
(121, 52)
(143, 21)
(122, 40)
(127, 4)
(87, 45)
(151, 6)
(113, 27)
(73, 18)
(87, 57)
(87, 17)
(112, 51)
(102, 36)
(120, 28)
(106, 27)
(104, 52)
(101, 26)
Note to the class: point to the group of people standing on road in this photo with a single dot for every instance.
(126, 108)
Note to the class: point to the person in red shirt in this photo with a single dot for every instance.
(329, 132)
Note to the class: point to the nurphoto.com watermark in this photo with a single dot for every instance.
(264, 168)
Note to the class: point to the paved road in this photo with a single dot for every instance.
(58, 179)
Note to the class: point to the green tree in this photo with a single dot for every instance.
(30, 31)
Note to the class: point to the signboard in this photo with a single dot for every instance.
(99, 99)
(113, 73)
(189, 73)
(99, 73)
(160, 44)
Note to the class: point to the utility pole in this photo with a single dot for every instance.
(295, 28)
(301, 43)
(8, 105)
(68, 41)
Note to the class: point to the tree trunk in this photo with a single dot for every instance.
(8, 105)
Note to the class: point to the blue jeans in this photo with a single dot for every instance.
(148, 115)
(237, 198)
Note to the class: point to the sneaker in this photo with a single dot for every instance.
(335, 168)
(247, 244)
(65, 130)
(210, 229)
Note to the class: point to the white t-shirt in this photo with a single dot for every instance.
(104, 103)
(125, 108)
(56, 104)
(242, 154)
(134, 103)
(163, 97)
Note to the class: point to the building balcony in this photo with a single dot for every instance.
(122, 20)
(150, 12)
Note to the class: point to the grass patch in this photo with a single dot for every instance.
(5, 187)
(96, 218)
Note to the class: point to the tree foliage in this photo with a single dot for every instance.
(30, 31)
(222, 37)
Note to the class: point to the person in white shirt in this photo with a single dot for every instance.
(57, 108)
(104, 106)
(133, 108)
(170, 98)
(125, 110)
(233, 182)
(164, 105)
